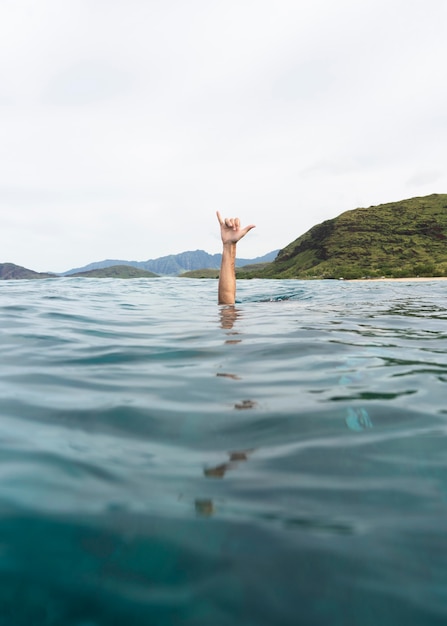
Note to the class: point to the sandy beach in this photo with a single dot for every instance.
(401, 280)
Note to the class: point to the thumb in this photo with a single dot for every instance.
(248, 228)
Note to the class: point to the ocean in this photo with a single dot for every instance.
(166, 461)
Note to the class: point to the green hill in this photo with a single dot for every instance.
(10, 271)
(203, 273)
(245, 272)
(399, 239)
(116, 271)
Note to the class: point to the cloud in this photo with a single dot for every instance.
(87, 82)
(427, 177)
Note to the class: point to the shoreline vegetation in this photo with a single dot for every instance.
(409, 279)
(403, 240)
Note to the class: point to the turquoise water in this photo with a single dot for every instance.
(167, 461)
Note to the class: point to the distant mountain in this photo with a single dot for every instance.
(246, 271)
(115, 271)
(9, 271)
(398, 239)
(174, 264)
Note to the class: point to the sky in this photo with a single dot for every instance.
(125, 124)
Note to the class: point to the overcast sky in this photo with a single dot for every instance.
(125, 124)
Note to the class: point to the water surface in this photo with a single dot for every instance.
(164, 460)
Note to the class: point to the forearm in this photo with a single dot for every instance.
(227, 277)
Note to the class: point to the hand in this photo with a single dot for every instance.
(230, 229)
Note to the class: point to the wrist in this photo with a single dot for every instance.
(229, 246)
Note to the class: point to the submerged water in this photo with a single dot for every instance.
(167, 461)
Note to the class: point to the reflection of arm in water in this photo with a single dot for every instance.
(231, 232)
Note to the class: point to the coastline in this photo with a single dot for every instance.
(415, 279)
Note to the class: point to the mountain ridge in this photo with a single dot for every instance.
(174, 264)
(11, 271)
(171, 265)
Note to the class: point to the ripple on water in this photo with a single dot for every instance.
(201, 465)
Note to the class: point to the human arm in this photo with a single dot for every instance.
(231, 232)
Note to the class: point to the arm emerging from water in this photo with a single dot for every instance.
(231, 232)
